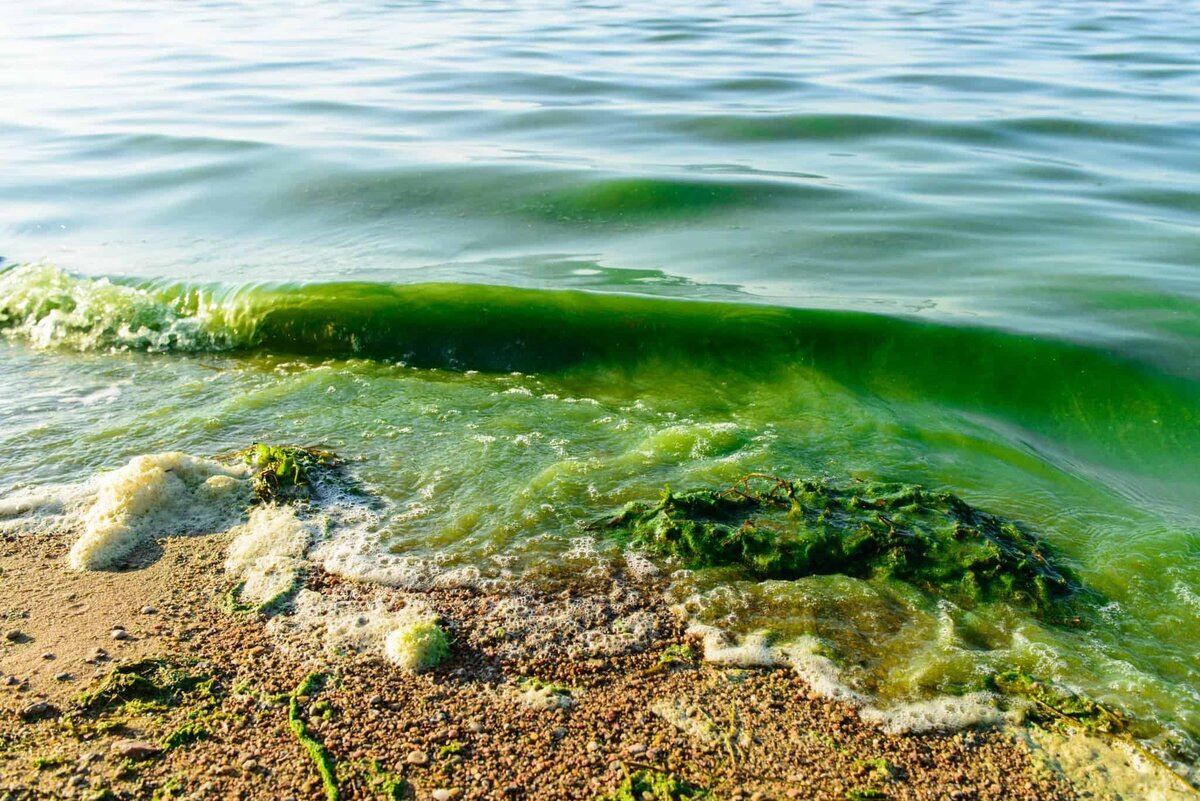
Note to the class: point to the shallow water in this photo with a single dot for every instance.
(526, 264)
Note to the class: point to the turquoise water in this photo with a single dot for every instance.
(526, 263)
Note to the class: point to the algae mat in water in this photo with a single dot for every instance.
(783, 529)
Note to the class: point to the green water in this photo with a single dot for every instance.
(523, 265)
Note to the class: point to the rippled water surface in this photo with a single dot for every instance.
(527, 262)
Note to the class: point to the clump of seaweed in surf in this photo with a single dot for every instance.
(776, 528)
(287, 473)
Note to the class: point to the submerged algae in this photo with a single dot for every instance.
(791, 529)
(1055, 705)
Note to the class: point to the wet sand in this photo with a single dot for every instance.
(543, 696)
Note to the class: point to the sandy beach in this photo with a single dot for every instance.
(505, 716)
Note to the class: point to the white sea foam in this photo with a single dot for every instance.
(156, 495)
(944, 713)
(803, 654)
(754, 650)
(267, 552)
(545, 699)
(400, 636)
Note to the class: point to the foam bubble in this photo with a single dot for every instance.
(754, 650)
(545, 699)
(405, 637)
(157, 495)
(31, 502)
(944, 713)
(805, 655)
(267, 552)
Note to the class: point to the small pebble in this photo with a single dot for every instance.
(136, 749)
(38, 710)
(119, 634)
(47, 655)
(64, 676)
(250, 765)
(446, 794)
(78, 781)
(15, 635)
(149, 610)
(416, 758)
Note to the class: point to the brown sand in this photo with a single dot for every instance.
(459, 731)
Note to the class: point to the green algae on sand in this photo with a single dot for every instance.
(652, 784)
(786, 529)
(149, 683)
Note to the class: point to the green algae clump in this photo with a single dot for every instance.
(285, 473)
(417, 646)
(148, 684)
(317, 752)
(791, 529)
(650, 784)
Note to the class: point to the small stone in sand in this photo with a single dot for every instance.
(446, 794)
(416, 758)
(47, 655)
(16, 635)
(149, 610)
(64, 676)
(39, 710)
(119, 634)
(136, 749)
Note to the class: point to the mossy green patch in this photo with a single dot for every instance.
(880, 768)
(418, 646)
(383, 783)
(534, 683)
(651, 785)
(450, 749)
(865, 794)
(171, 788)
(678, 654)
(49, 762)
(317, 752)
(782, 529)
(148, 685)
(186, 734)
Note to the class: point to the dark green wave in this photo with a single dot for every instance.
(1029, 380)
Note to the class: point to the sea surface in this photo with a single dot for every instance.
(525, 262)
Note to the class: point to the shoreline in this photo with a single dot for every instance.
(466, 729)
